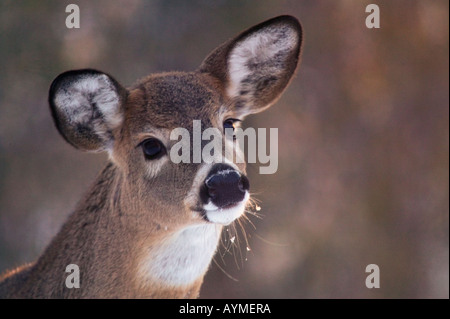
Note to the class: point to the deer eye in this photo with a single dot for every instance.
(229, 123)
(153, 148)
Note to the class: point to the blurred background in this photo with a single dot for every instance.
(363, 175)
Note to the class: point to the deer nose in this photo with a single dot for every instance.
(226, 187)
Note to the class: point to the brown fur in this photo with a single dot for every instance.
(134, 206)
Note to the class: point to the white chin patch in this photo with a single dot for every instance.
(225, 216)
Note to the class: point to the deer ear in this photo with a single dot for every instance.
(256, 66)
(87, 106)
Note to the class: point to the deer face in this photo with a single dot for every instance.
(135, 126)
(212, 192)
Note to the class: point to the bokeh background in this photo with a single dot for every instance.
(363, 138)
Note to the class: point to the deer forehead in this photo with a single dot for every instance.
(172, 100)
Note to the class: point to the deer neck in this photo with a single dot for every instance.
(119, 257)
(181, 259)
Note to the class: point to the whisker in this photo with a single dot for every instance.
(239, 222)
(246, 219)
(270, 242)
(232, 241)
(223, 270)
(235, 244)
(244, 233)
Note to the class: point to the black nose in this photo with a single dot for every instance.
(225, 186)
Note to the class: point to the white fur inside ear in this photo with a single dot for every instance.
(92, 101)
(256, 52)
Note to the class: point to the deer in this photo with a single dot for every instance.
(148, 227)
